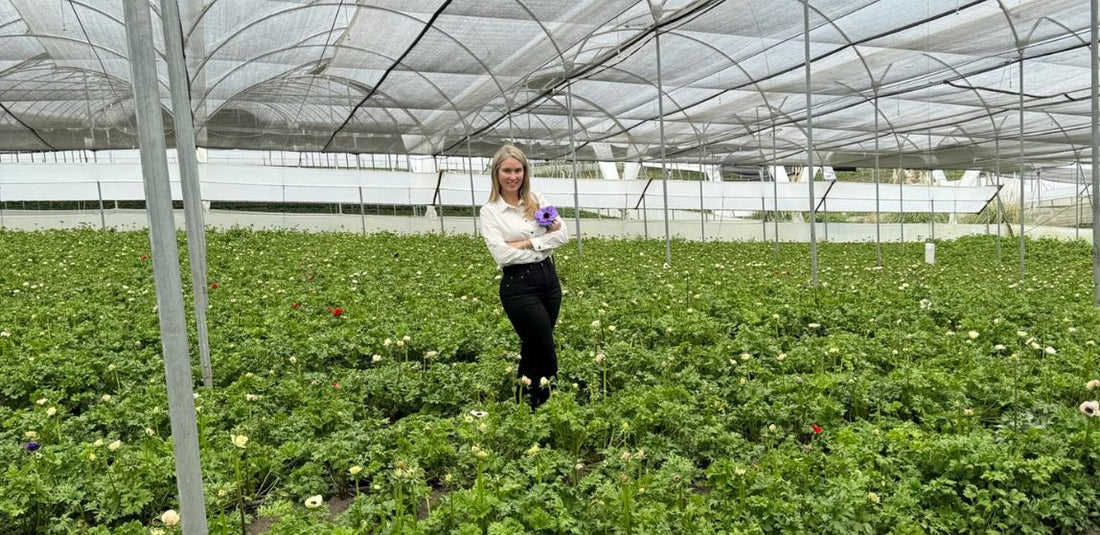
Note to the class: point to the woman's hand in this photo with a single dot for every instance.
(554, 227)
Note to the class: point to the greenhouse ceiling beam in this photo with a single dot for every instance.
(696, 9)
(423, 31)
(166, 268)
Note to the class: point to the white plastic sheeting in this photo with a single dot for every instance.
(224, 182)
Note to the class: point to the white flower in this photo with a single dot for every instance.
(170, 517)
(51, 411)
(1090, 408)
(314, 501)
(355, 470)
(533, 450)
(149, 432)
(525, 380)
(293, 360)
(544, 382)
(42, 401)
(431, 354)
(400, 343)
(1050, 351)
(98, 443)
(600, 357)
(239, 441)
(872, 497)
(771, 428)
(406, 338)
(106, 397)
(972, 334)
(1021, 334)
(33, 435)
(1093, 384)
(780, 357)
(386, 342)
(999, 347)
(814, 325)
(478, 414)
(5, 334)
(611, 328)
(595, 324)
(376, 358)
(114, 446)
(925, 303)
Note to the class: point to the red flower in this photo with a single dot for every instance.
(294, 305)
(144, 256)
(213, 286)
(335, 385)
(337, 311)
(817, 429)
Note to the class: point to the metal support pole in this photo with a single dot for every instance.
(166, 269)
(775, 191)
(188, 162)
(764, 216)
(932, 207)
(810, 143)
(1095, 151)
(997, 172)
(102, 216)
(1023, 231)
(470, 169)
(362, 211)
(664, 164)
(878, 214)
(1077, 200)
(901, 197)
(573, 160)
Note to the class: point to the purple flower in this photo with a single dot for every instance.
(546, 215)
(31, 446)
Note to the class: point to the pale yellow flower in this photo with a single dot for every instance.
(239, 441)
(314, 501)
(355, 470)
(170, 517)
(114, 446)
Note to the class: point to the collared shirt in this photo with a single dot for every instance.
(502, 223)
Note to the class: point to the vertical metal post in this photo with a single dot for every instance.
(878, 214)
(1095, 151)
(470, 169)
(1077, 200)
(188, 162)
(810, 142)
(1023, 252)
(901, 196)
(764, 216)
(702, 210)
(573, 160)
(102, 216)
(661, 124)
(166, 269)
(932, 207)
(775, 189)
(997, 172)
(362, 211)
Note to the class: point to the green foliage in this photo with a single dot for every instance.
(687, 398)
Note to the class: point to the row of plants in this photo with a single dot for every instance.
(368, 385)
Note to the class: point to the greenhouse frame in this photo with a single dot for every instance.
(1006, 88)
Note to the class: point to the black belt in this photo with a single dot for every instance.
(516, 268)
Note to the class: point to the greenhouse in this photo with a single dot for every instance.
(810, 266)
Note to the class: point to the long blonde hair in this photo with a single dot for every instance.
(511, 151)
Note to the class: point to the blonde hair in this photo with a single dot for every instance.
(511, 151)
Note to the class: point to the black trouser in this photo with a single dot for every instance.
(531, 295)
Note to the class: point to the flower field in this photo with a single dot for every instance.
(367, 385)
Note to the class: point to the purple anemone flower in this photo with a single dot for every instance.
(31, 446)
(546, 215)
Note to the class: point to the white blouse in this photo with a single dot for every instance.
(502, 223)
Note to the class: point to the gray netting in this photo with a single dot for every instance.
(446, 77)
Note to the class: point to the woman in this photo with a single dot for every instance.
(529, 287)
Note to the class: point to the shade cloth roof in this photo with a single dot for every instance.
(457, 76)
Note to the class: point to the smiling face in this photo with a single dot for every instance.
(510, 176)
